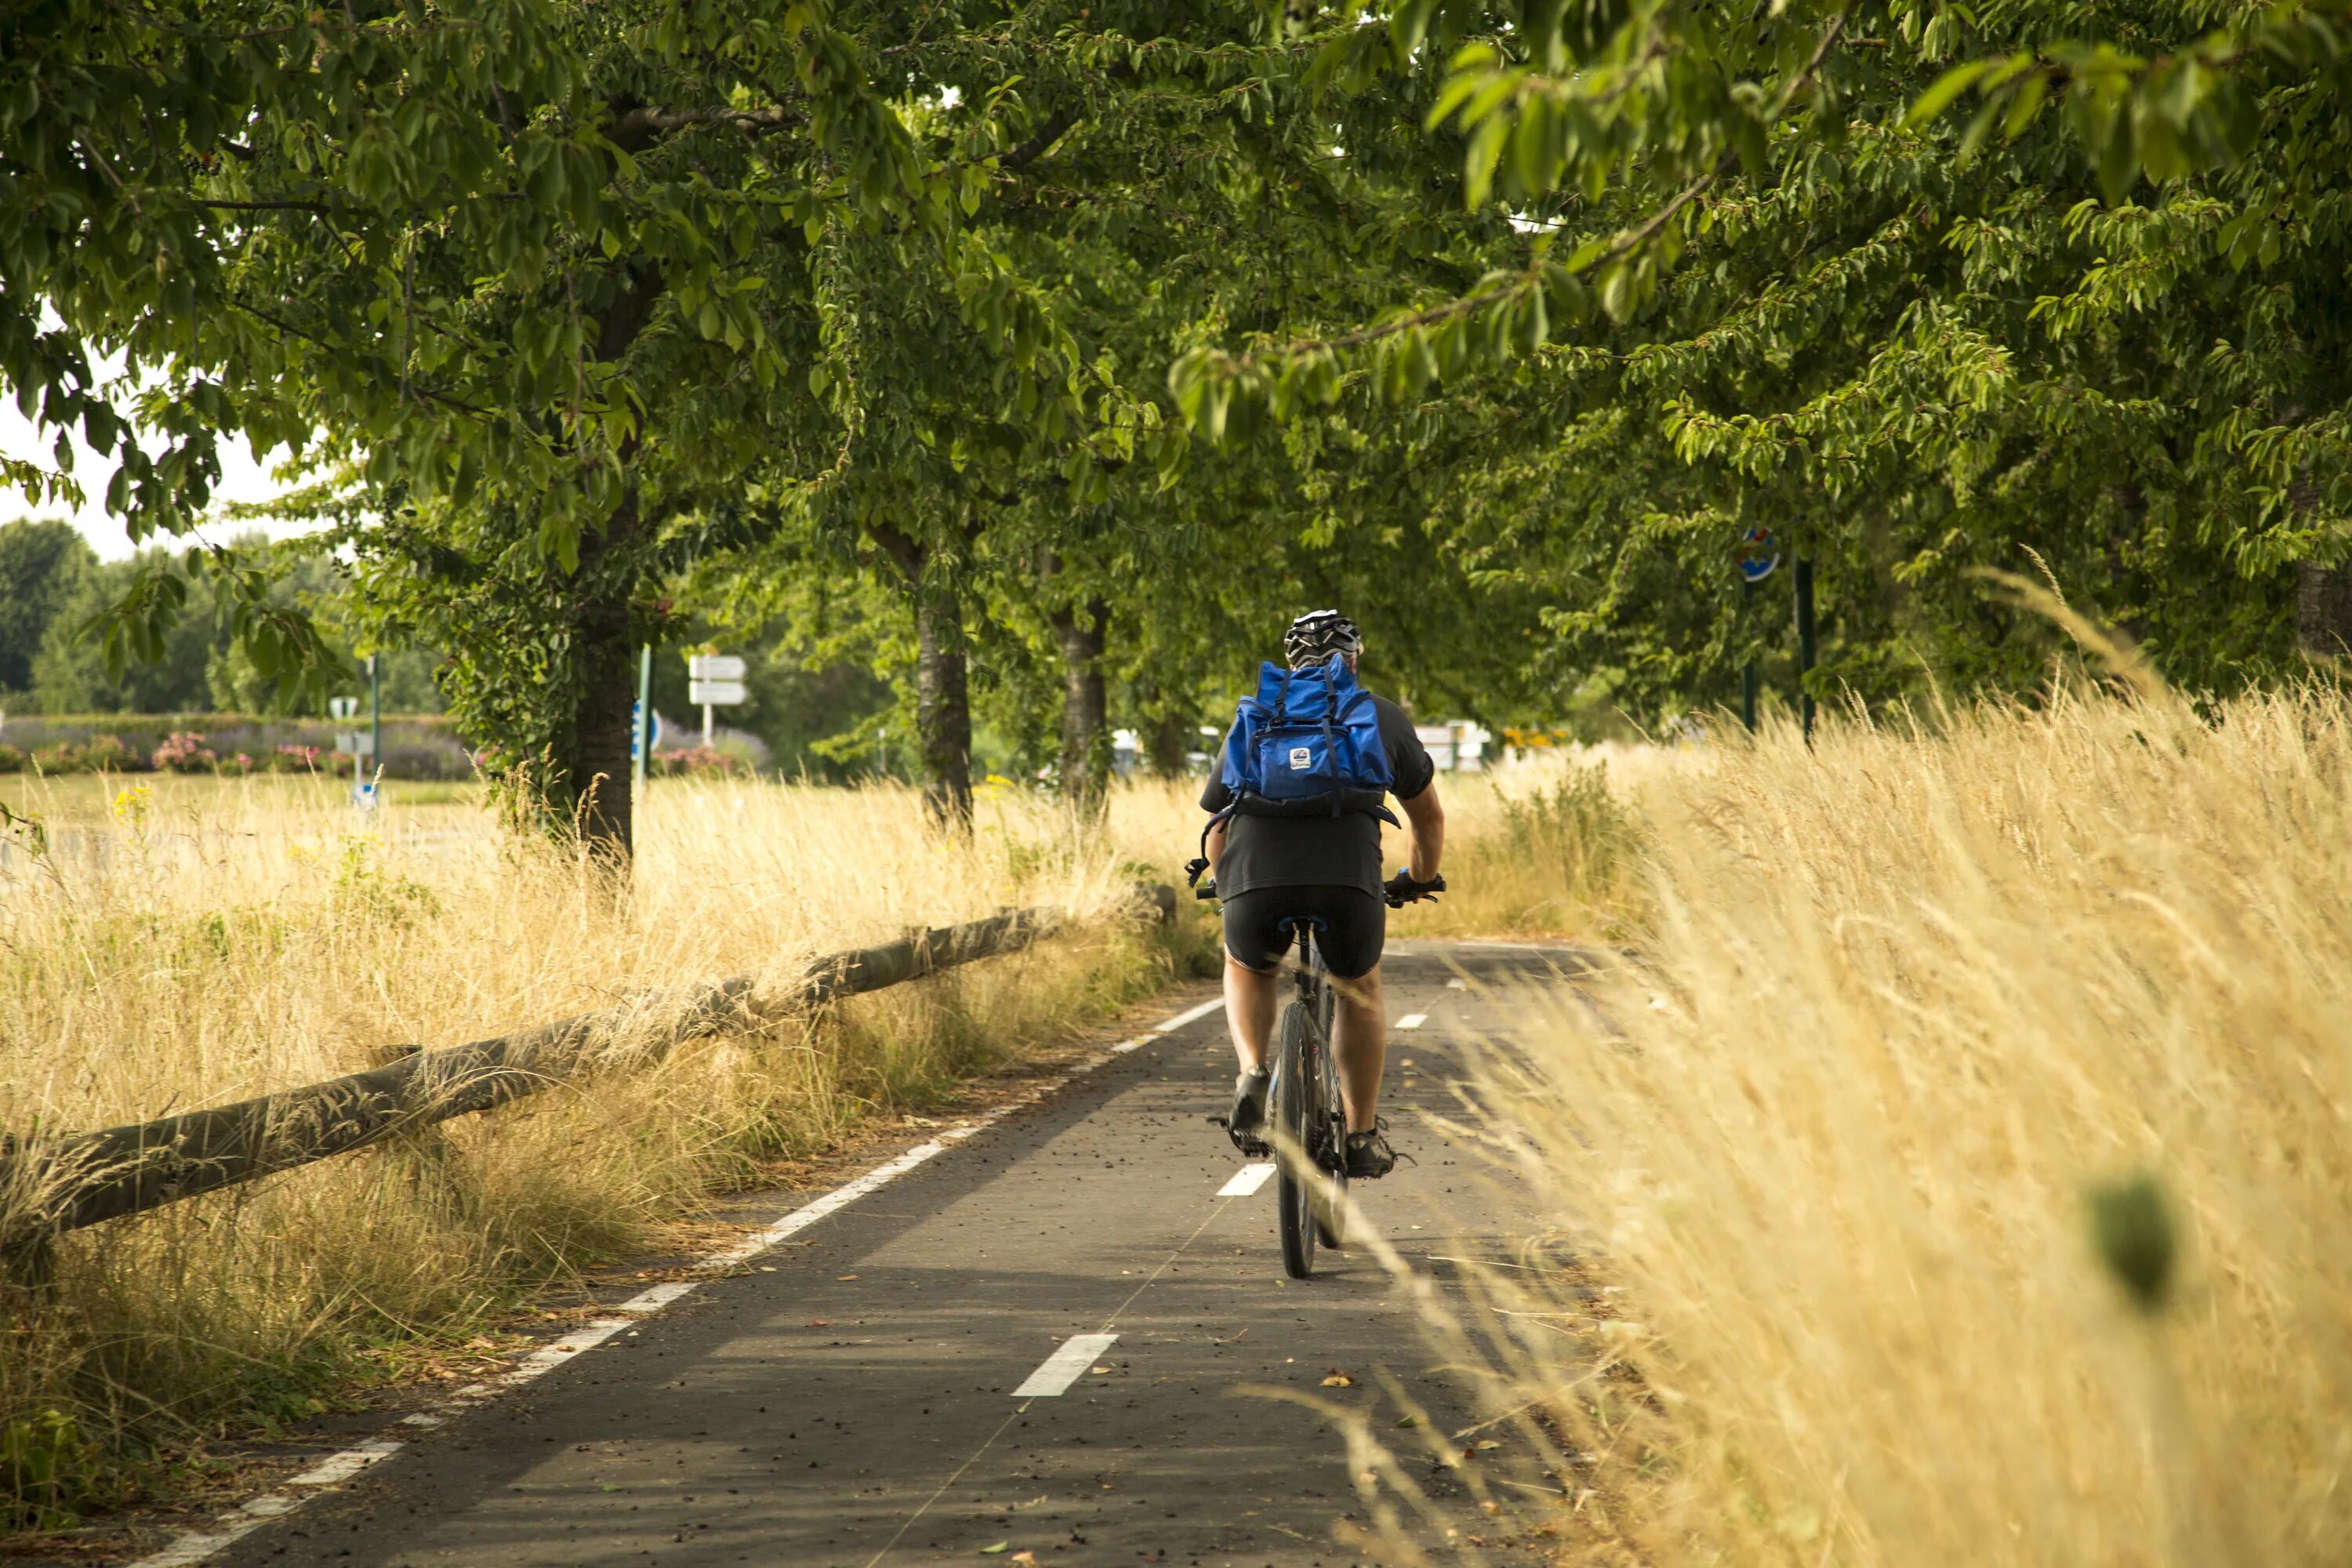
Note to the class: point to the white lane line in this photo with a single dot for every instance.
(556, 1353)
(1412, 1021)
(1065, 1367)
(1458, 983)
(655, 1298)
(1247, 1180)
(198, 1546)
(336, 1468)
(1188, 1015)
(841, 1198)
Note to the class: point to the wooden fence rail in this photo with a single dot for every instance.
(50, 1185)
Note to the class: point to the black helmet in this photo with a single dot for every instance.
(1317, 635)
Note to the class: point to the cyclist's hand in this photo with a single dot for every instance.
(1402, 890)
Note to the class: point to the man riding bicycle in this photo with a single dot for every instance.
(1273, 871)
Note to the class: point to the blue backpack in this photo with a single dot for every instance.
(1309, 744)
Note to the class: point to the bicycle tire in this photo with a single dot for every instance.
(1291, 1102)
(1331, 1195)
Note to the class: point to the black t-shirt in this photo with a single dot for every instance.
(1342, 851)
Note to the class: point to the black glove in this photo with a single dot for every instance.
(1402, 890)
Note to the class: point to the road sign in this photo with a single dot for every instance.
(715, 693)
(342, 707)
(1757, 554)
(355, 743)
(716, 666)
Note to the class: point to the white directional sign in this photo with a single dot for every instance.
(715, 693)
(355, 743)
(343, 707)
(716, 666)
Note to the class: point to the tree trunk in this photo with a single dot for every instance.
(1086, 744)
(942, 679)
(943, 705)
(2323, 610)
(603, 730)
(596, 782)
(1172, 737)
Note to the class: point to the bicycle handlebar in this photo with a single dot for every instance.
(1402, 890)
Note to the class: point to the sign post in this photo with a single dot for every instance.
(358, 743)
(375, 717)
(1805, 641)
(641, 735)
(1758, 556)
(714, 680)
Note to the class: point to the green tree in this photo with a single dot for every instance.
(41, 562)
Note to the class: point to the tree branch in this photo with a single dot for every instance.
(1055, 126)
(634, 128)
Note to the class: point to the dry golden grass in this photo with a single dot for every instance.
(185, 942)
(1542, 847)
(1915, 1007)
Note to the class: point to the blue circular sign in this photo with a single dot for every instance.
(1758, 555)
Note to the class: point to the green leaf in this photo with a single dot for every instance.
(1946, 89)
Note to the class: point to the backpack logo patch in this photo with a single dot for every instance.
(1300, 758)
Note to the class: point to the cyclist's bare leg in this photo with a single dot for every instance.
(1250, 997)
(1362, 1046)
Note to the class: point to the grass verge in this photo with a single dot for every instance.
(1967, 1160)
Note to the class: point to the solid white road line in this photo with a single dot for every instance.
(1188, 1015)
(339, 1468)
(1246, 1180)
(841, 1198)
(1412, 1021)
(1065, 1367)
(556, 1353)
(198, 1545)
(653, 1299)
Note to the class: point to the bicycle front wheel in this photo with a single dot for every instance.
(1292, 1103)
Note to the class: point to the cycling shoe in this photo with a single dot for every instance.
(1369, 1155)
(1247, 1123)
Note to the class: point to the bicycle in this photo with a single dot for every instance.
(1305, 1111)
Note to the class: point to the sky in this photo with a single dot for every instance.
(244, 478)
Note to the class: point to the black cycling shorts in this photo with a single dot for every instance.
(1354, 924)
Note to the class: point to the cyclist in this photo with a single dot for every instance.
(1326, 869)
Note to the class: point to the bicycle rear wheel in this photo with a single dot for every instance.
(1292, 1103)
(1330, 1197)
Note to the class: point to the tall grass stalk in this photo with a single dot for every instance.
(1970, 1154)
(191, 942)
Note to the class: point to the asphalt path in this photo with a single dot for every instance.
(909, 1379)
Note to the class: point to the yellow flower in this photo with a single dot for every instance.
(130, 806)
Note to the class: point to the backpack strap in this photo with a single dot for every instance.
(1193, 870)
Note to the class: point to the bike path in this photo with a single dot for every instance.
(857, 1404)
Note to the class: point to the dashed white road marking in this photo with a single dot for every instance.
(1412, 1021)
(196, 1546)
(1188, 1015)
(1247, 1180)
(1065, 1367)
(1458, 983)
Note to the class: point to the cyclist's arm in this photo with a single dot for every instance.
(1428, 820)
